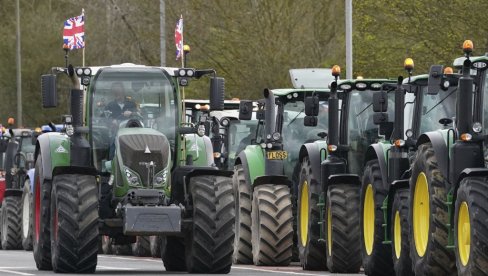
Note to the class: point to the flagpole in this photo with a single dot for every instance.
(182, 65)
(84, 36)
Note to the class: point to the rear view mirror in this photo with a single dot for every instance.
(380, 118)
(435, 79)
(245, 110)
(217, 91)
(48, 89)
(312, 106)
(310, 121)
(380, 101)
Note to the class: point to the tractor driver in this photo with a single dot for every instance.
(121, 107)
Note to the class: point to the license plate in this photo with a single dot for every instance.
(277, 155)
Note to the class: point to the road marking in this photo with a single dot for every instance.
(115, 268)
(132, 259)
(2, 269)
(273, 271)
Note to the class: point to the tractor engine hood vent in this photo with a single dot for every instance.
(136, 149)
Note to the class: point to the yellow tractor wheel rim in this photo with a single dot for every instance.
(329, 231)
(368, 219)
(421, 214)
(464, 233)
(304, 211)
(397, 231)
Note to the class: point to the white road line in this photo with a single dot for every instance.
(15, 272)
(273, 271)
(115, 268)
(132, 259)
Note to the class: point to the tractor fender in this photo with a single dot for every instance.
(377, 151)
(252, 161)
(441, 151)
(314, 152)
(394, 187)
(201, 149)
(272, 179)
(348, 179)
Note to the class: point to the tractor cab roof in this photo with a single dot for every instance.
(290, 91)
(478, 62)
(95, 69)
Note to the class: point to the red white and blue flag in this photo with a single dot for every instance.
(74, 32)
(179, 38)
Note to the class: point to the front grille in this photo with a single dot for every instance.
(133, 147)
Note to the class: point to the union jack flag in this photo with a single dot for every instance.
(74, 32)
(179, 37)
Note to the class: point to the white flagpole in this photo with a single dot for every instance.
(182, 53)
(84, 36)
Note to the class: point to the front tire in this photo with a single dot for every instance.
(26, 218)
(107, 246)
(470, 227)
(209, 245)
(41, 242)
(173, 254)
(156, 243)
(11, 237)
(428, 216)
(343, 234)
(242, 194)
(400, 239)
(376, 255)
(74, 221)
(141, 248)
(272, 225)
(310, 247)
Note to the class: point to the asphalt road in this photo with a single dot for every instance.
(22, 263)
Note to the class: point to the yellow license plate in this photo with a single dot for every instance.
(277, 155)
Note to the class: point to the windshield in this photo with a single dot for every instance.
(436, 107)
(241, 133)
(361, 128)
(126, 96)
(295, 133)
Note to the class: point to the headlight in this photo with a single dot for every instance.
(269, 145)
(477, 127)
(79, 71)
(268, 136)
(263, 145)
(289, 96)
(70, 130)
(276, 136)
(134, 180)
(159, 180)
(361, 85)
(182, 72)
(225, 122)
(87, 71)
(409, 133)
(345, 86)
(190, 73)
(295, 95)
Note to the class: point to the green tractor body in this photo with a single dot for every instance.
(133, 169)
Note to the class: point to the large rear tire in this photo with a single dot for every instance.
(11, 237)
(242, 194)
(310, 247)
(343, 234)
(41, 241)
(142, 247)
(376, 255)
(428, 216)
(400, 240)
(27, 214)
(209, 245)
(74, 221)
(173, 254)
(470, 228)
(272, 225)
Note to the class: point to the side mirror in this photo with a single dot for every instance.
(49, 93)
(380, 101)
(217, 91)
(310, 121)
(245, 110)
(380, 118)
(312, 106)
(435, 79)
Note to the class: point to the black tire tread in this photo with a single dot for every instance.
(272, 225)
(343, 201)
(42, 248)
(173, 254)
(242, 244)
(142, 247)
(11, 227)
(27, 241)
(402, 265)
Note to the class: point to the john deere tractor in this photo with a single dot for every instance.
(329, 187)
(448, 180)
(385, 240)
(264, 173)
(127, 165)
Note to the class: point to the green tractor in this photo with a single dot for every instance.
(265, 170)
(448, 180)
(130, 167)
(19, 158)
(329, 188)
(385, 241)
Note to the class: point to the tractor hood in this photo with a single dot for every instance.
(143, 157)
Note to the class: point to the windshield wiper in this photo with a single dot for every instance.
(364, 109)
(293, 120)
(439, 102)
